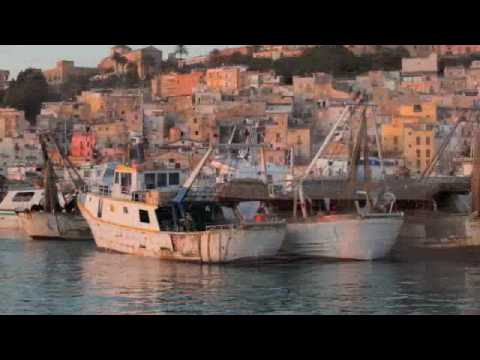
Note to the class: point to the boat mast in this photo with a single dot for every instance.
(329, 137)
(182, 193)
(51, 194)
(431, 166)
(379, 146)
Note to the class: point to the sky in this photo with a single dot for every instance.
(19, 57)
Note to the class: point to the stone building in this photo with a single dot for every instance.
(173, 85)
(65, 70)
(148, 61)
(225, 79)
(419, 146)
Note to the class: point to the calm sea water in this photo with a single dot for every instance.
(75, 278)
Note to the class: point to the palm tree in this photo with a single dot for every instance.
(181, 51)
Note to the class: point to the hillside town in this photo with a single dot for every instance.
(178, 114)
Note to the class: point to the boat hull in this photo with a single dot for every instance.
(343, 238)
(218, 245)
(9, 221)
(44, 226)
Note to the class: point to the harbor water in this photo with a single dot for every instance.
(52, 277)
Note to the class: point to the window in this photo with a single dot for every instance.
(428, 153)
(395, 140)
(161, 180)
(418, 154)
(23, 197)
(427, 140)
(417, 108)
(126, 179)
(125, 210)
(174, 179)
(112, 208)
(117, 178)
(419, 140)
(418, 164)
(150, 181)
(144, 217)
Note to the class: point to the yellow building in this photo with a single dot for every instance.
(225, 79)
(419, 146)
(425, 111)
(392, 138)
(412, 141)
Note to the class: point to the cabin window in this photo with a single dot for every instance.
(126, 179)
(125, 210)
(112, 208)
(150, 181)
(23, 197)
(174, 179)
(161, 180)
(144, 217)
(117, 178)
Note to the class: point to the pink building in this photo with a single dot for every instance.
(83, 145)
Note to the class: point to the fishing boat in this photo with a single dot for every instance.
(131, 219)
(52, 219)
(368, 232)
(18, 201)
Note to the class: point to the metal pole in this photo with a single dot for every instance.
(379, 144)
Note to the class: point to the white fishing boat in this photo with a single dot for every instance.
(130, 219)
(367, 234)
(344, 236)
(57, 226)
(16, 202)
(55, 218)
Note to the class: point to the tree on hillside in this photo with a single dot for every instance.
(215, 58)
(131, 78)
(74, 86)
(181, 51)
(148, 63)
(27, 93)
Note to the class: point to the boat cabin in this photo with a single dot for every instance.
(22, 200)
(130, 180)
